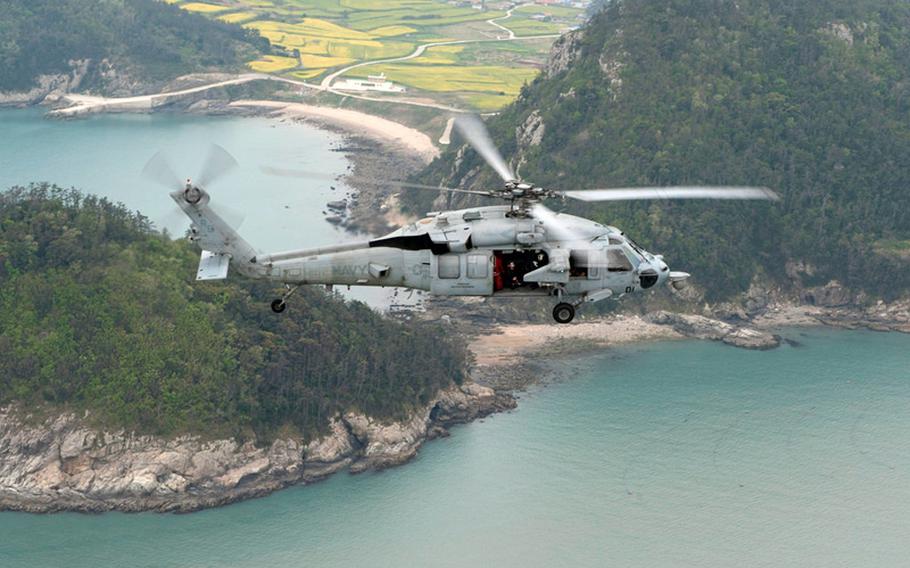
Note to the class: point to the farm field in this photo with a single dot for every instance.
(312, 38)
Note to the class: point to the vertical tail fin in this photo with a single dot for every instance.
(219, 242)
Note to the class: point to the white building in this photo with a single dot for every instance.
(371, 83)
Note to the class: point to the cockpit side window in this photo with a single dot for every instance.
(617, 261)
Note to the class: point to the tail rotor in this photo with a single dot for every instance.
(217, 164)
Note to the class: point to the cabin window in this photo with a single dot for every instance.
(478, 266)
(449, 266)
(617, 261)
(596, 263)
(578, 264)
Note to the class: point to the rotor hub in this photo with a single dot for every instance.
(191, 193)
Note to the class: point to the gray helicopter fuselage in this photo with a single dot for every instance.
(521, 249)
(465, 253)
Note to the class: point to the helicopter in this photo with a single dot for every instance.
(519, 248)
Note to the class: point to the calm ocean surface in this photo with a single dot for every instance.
(669, 454)
(105, 154)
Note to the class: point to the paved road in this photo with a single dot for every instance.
(88, 103)
(508, 15)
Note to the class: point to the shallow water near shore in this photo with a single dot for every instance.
(678, 453)
(105, 154)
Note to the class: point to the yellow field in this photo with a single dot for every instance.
(311, 27)
(487, 102)
(329, 34)
(441, 55)
(392, 31)
(274, 64)
(365, 5)
(319, 37)
(238, 17)
(454, 78)
(306, 74)
(439, 69)
(311, 61)
(203, 7)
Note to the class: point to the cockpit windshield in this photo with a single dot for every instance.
(636, 248)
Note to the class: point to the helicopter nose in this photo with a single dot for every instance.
(648, 276)
(663, 271)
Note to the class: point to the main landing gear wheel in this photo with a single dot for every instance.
(563, 312)
(278, 305)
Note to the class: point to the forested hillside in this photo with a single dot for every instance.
(811, 98)
(156, 39)
(97, 312)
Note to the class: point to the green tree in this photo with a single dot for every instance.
(98, 312)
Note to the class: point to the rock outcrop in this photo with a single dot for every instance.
(564, 52)
(61, 464)
(531, 132)
(48, 88)
(831, 295)
(881, 316)
(701, 327)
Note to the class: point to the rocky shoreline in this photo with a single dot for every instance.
(512, 356)
(63, 465)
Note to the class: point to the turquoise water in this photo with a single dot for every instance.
(669, 454)
(105, 154)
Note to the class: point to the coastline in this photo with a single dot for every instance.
(61, 465)
(352, 122)
(377, 147)
(513, 356)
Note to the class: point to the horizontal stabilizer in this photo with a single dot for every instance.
(213, 266)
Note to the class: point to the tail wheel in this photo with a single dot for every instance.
(563, 312)
(278, 305)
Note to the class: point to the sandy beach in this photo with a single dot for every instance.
(354, 122)
(507, 342)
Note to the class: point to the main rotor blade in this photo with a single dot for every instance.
(473, 130)
(673, 192)
(158, 169)
(556, 226)
(218, 163)
(282, 172)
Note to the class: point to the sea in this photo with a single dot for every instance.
(663, 454)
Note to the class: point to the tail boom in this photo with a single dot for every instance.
(219, 242)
